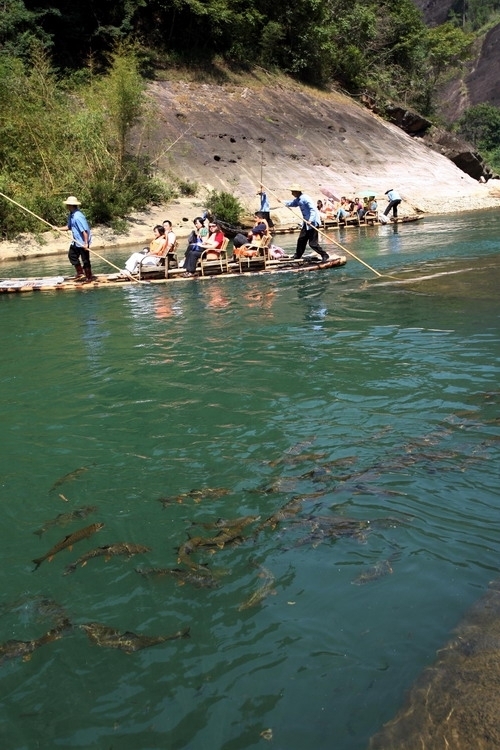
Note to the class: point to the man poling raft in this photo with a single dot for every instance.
(58, 229)
(309, 229)
(324, 257)
(79, 250)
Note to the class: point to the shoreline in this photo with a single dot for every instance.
(182, 212)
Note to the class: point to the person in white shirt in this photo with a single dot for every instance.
(394, 200)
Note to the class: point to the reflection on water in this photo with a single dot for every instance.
(272, 442)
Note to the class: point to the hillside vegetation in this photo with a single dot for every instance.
(73, 79)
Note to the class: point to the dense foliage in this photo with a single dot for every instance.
(56, 141)
(474, 14)
(224, 206)
(481, 126)
(363, 44)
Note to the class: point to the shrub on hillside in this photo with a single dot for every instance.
(224, 207)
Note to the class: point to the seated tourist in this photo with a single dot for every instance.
(213, 242)
(330, 208)
(247, 246)
(358, 208)
(321, 210)
(260, 219)
(199, 232)
(343, 210)
(371, 213)
(259, 229)
(151, 255)
(197, 235)
(170, 236)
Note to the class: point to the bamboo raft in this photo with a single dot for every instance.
(270, 267)
(350, 222)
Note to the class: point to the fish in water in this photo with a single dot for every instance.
(196, 495)
(102, 635)
(49, 609)
(229, 523)
(12, 649)
(294, 450)
(264, 591)
(186, 550)
(68, 542)
(36, 609)
(224, 538)
(201, 578)
(290, 509)
(323, 528)
(108, 551)
(64, 518)
(69, 477)
(378, 570)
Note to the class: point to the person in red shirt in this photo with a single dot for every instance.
(213, 242)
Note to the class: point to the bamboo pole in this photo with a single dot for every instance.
(171, 145)
(19, 205)
(330, 239)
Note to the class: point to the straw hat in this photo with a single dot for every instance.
(295, 188)
(72, 201)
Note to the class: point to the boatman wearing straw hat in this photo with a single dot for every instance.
(312, 220)
(79, 254)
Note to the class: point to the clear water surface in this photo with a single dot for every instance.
(297, 399)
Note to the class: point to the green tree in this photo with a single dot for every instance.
(481, 126)
(55, 141)
(224, 206)
(21, 27)
(447, 48)
(473, 14)
(121, 94)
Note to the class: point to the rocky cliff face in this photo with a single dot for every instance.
(235, 136)
(434, 11)
(479, 81)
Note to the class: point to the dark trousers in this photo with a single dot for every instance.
(191, 257)
(267, 216)
(308, 234)
(239, 240)
(394, 205)
(76, 253)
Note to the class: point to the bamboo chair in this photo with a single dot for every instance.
(213, 261)
(260, 254)
(166, 262)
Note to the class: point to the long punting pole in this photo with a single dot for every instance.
(323, 234)
(63, 234)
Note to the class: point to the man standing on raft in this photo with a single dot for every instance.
(309, 231)
(394, 200)
(79, 254)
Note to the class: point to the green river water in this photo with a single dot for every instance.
(337, 393)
